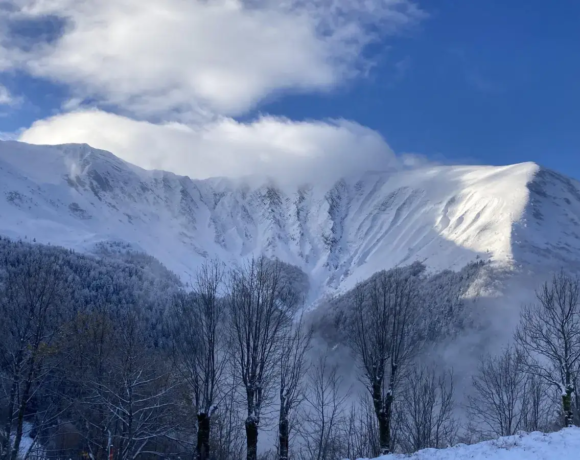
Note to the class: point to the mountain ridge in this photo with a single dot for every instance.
(519, 216)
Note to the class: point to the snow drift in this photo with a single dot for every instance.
(563, 445)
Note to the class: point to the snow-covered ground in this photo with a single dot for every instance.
(27, 444)
(563, 445)
(445, 216)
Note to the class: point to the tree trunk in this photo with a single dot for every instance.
(6, 447)
(567, 407)
(203, 432)
(21, 412)
(283, 429)
(386, 443)
(384, 435)
(251, 438)
(378, 403)
(388, 413)
(19, 433)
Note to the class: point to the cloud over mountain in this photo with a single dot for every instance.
(292, 152)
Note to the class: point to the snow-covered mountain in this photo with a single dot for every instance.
(447, 216)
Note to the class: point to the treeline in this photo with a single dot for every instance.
(111, 357)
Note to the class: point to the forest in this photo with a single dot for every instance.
(111, 356)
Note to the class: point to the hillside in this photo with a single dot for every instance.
(520, 216)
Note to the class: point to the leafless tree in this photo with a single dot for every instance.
(360, 433)
(506, 399)
(89, 343)
(32, 301)
(227, 435)
(539, 403)
(136, 394)
(385, 335)
(294, 345)
(261, 308)
(324, 412)
(549, 335)
(197, 333)
(426, 416)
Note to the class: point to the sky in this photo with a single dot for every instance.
(295, 87)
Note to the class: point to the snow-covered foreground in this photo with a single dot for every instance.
(563, 445)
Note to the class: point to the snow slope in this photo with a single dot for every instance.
(446, 216)
(562, 445)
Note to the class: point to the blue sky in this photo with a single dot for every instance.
(486, 81)
(463, 81)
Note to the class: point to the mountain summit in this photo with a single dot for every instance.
(445, 216)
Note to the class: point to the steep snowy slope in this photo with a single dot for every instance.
(446, 216)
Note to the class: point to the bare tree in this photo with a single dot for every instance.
(199, 354)
(507, 398)
(499, 391)
(32, 300)
(261, 308)
(294, 345)
(549, 335)
(385, 336)
(227, 435)
(360, 433)
(324, 413)
(538, 407)
(106, 355)
(426, 417)
(137, 394)
(89, 343)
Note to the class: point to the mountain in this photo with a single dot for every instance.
(520, 217)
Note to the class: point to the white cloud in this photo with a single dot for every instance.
(288, 151)
(155, 57)
(6, 98)
(178, 70)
